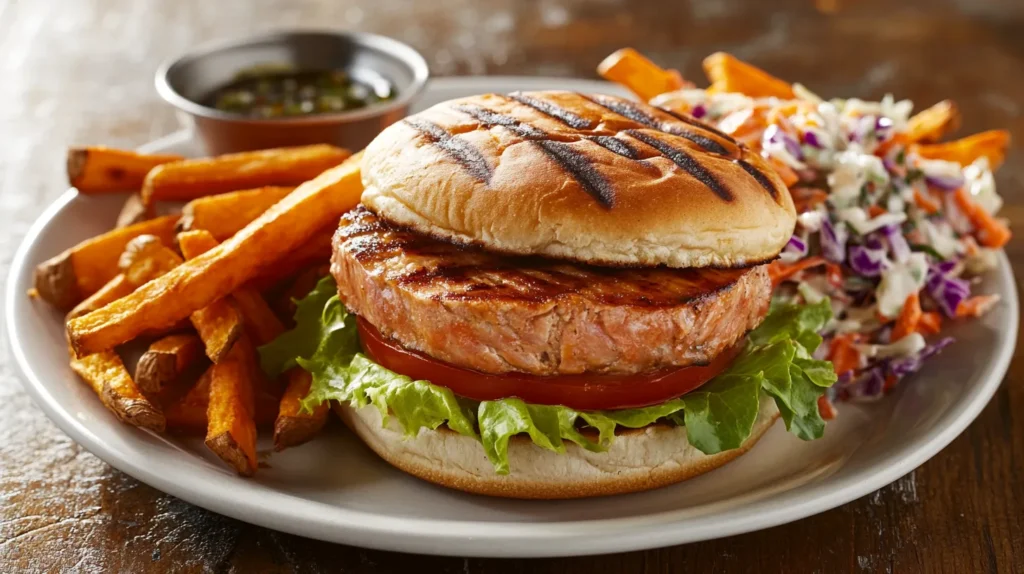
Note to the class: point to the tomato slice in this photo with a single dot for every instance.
(581, 392)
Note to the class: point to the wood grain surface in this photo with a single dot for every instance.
(80, 71)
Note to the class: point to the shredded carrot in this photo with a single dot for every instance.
(928, 204)
(991, 231)
(807, 198)
(781, 113)
(789, 177)
(876, 210)
(976, 306)
(780, 271)
(746, 125)
(834, 274)
(826, 408)
(909, 317)
(883, 319)
(930, 323)
(890, 382)
(883, 148)
(844, 354)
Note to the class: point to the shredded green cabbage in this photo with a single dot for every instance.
(718, 416)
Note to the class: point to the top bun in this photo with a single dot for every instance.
(589, 178)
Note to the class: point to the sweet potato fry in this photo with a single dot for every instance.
(729, 74)
(294, 426)
(192, 178)
(196, 242)
(261, 323)
(991, 144)
(640, 75)
(116, 288)
(187, 415)
(218, 272)
(231, 425)
(166, 360)
(80, 271)
(219, 324)
(225, 214)
(106, 374)
(103, 170)
(132, 212)
(315, 251)
(145, 258)
(931, 124)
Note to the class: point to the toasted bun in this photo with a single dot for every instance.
(595, 179)
(642, 459)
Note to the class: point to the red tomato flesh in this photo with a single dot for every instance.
(581, 392)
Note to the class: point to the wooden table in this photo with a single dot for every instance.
(81, 72)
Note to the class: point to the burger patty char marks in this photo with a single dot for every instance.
(495, 313)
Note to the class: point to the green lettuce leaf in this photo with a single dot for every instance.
(280, 354)
(718, 416)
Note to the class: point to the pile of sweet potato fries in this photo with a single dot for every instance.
(188, 297)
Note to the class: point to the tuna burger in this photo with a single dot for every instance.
(554, 295)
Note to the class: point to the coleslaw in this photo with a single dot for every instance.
(892, 236)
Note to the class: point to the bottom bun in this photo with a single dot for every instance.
(640, 459)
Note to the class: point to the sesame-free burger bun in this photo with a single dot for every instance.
(640, 459)
(589, 178)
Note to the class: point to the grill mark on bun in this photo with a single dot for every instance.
(703, 141)
(624, 109)
(553, 110)
(461, 151)
(760, 177)
(489, 118)
(580, 167)
(699, 124)
(686, 162)
(630, 111)
(616, 146)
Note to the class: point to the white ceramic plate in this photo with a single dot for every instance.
(336, 489)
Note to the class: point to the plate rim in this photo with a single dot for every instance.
(485, 539)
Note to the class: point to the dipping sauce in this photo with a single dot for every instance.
(276, 92)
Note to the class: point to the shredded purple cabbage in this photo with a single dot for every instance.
(774, 134)
(945, 182)
(907, 365)
(869, 385)
(796, 245)
(947, 291)
(867, 260)
(944, 267)
(811, 139)
(833, 241)
(699, 111)
(898, 245)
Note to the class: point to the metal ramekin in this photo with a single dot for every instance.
(185, 81)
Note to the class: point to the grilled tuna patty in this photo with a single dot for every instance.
(495, 313)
